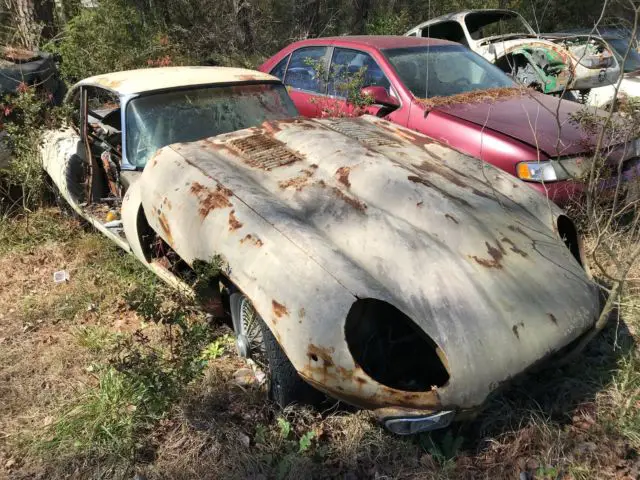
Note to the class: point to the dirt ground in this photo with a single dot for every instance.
(580, 421)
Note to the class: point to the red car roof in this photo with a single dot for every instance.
(376, 41)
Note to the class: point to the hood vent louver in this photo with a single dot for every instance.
(264, 152)
(366, 134)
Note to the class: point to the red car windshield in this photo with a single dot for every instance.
(445, 70)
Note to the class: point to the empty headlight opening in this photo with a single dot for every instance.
(392, 349)
(569, 235)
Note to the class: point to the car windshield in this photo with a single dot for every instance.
(620, 45)
(445, 70)
(160, 119)
(491, 24)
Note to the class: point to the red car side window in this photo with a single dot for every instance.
(302, 72)
(346, 64)
(279, 69)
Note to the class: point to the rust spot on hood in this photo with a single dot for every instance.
(164, 224)
(450, 175)
(316, 354)
(427, 183)
(496, 255)
(514, 248)
(298, 182)
(279, 310)
(354, 202)
(234, 223)
(343, 176)
(250, 238)
(211, 199)
(515, 228)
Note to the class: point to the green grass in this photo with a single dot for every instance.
(35, 229)
(105, 420)
(145, 391)
(95, 339)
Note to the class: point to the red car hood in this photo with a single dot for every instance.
(530, 118)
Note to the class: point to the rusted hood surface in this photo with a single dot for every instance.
(312, 214)
(541, 121)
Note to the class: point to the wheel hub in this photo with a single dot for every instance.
(242, 344)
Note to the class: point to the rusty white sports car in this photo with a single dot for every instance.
(362, 260)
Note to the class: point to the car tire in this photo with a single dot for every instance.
(255, 341)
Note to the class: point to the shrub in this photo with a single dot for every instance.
(110, 37)
(23, 116)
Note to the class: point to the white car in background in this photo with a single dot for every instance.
(549, 63)
(602, 97)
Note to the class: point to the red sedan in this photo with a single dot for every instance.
(447, 92)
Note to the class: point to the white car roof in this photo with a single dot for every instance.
(131, 82)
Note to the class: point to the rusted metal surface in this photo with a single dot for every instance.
(371, 210)
(150, 79)
(263, 151)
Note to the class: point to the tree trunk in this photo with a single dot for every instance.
(33, 20)
(360, 16)
(242, 11)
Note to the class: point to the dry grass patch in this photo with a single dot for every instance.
(94, 389)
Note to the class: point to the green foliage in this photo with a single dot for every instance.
(305, 441)
(391, 23)
(443, 449)
(94, 338)
(111, 37)
(216, 349)
(104, 420)
(285, 427)
(348, 86)
(138, 378)
(24, 116)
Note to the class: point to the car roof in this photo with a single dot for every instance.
(144, 80)
(377, 41)
(457, 16)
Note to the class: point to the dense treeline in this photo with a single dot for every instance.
(117, 34)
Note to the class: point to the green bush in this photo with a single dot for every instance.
(111, 37)
(386, 23)
(23, 116)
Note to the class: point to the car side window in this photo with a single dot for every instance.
(348, 66)
(304, 70)
(451, 31)
(104, 119)
(279, 69)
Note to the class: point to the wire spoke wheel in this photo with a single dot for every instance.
(250, 332)
(257, 343)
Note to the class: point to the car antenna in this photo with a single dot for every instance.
(426, 79)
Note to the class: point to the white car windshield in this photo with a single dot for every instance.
(160, 119)
(445, 70)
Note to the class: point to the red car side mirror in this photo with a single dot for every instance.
(380, 96)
